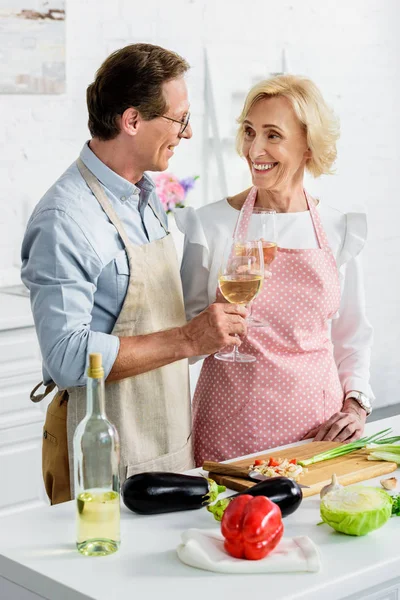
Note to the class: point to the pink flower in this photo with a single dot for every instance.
(162, 179)
(164, 199)
(169, 190)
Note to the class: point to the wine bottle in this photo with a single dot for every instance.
(96, 477)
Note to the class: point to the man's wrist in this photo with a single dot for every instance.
(187, 346)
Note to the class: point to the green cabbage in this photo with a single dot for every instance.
(357, 509)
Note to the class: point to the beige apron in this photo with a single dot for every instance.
(151, 411)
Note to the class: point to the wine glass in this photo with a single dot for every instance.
(261, 227)
(240, 278)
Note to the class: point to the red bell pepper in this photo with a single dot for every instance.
(273, 462)
(252, 527)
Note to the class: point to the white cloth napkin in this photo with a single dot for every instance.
(204, 549)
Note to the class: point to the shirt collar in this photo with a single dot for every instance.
(120, 187)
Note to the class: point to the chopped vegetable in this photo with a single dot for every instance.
(278, 467)
(343, 449)
(252, 527)
(389, 484)
(356, 509)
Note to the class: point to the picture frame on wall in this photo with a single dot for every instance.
(32, 46)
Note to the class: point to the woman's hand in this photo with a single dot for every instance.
(344, 426)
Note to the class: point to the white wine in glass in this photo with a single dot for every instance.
(240, 289)
(261, 227)
(269, 251)
(240, 279)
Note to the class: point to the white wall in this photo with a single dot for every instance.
(350, 48)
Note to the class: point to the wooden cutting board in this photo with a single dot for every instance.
(349, 469)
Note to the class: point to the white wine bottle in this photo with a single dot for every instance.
(96, 477)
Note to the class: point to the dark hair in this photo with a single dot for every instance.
(131, 76)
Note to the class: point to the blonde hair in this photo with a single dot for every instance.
(318, 120)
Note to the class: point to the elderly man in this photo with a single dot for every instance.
(103, 275)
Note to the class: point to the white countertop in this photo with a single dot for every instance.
(37, 551)
(15, 311)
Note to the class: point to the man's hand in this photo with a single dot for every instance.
(210, 331)
(344, 426)
(215, 328)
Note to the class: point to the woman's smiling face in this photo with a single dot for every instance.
(274, 144)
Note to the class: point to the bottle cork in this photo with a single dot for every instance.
(95, 370)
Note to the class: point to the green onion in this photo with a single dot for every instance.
(347, 448)
(391, 440)
(393, 448)
(381, 451)
(389, 456)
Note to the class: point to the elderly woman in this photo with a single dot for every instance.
(311, 376)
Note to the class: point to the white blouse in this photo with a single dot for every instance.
(206, 231)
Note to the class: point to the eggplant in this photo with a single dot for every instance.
(161, 492)
(283, 491)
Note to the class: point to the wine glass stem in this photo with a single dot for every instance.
(249, 307)
(235, 351)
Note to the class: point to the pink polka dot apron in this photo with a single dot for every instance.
(294, 384)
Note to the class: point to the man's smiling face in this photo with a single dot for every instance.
(160, 136)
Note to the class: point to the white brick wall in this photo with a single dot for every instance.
(351, 50)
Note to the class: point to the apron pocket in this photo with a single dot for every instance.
(178, 461)
(207, 412)
(49, 437)
(55, 466)
(333, 401)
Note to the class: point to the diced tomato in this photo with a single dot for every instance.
(273, 463)
(293, 461)
(258, 462)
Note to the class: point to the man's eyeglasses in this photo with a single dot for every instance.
(183, 123)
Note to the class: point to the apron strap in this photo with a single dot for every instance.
(100, 195)
(242, 222)
(106, 205)
(157, 216)
(38, 397)
(316, 221)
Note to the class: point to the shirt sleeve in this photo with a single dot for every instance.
(60, 268)
(352, 334)
(195, 270)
